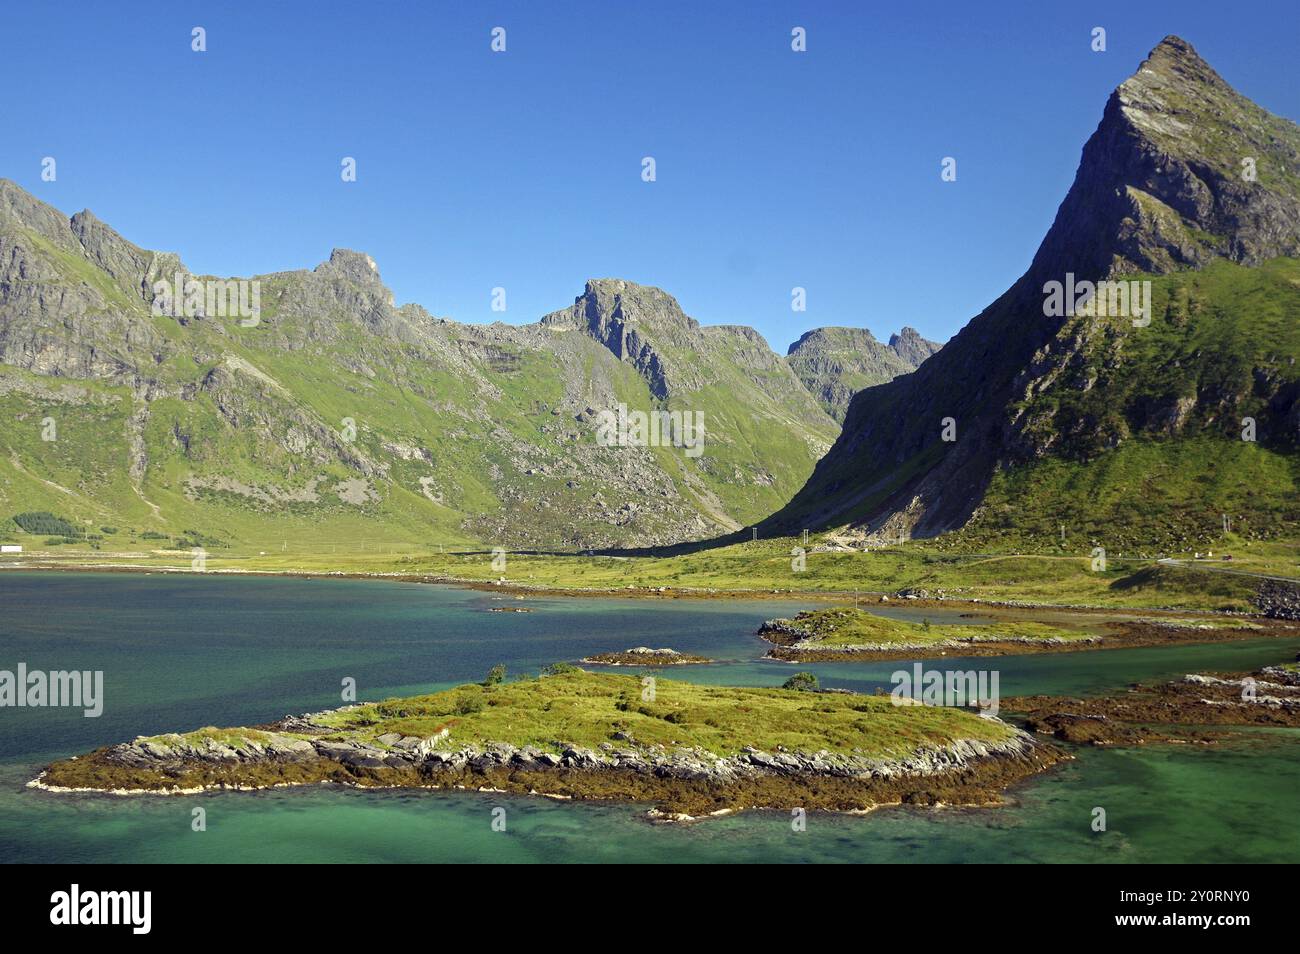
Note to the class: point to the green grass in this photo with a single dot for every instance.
(587, 709)
(849, 626)
(301, 545)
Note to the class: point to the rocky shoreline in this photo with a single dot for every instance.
(1174, 711)
(681, 784)
(1279, 599)
(645, 656)
(793, 645)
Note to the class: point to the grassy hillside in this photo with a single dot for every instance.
(1141, 431)
(339, 419)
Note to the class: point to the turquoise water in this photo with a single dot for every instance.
(184, 651)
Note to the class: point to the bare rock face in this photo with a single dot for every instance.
(1163, 186)
(134, 269)
(53, 320)
(629, 319)
(911, 347)
(1165, 181)
(356, 267)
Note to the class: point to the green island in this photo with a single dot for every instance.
(689, 750)
(847, 633)
(645, 656)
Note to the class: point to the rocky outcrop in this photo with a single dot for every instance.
(645, 656)
(1169, 711)
(911, 347)
(1279, 599)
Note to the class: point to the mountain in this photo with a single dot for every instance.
(1093, 426)
(335, 415)
(836, 363)
(911, 347)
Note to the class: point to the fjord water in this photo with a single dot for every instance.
(180, 652)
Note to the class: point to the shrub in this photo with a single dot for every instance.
(559, 669)
(802, 682)
(42, 521)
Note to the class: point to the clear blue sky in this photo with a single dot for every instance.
(523, 169)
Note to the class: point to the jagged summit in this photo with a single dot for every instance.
(618, 301)
(645, 327)
(835, 363)
(19, 206)
(911, 347)
(355, 266)
(1182, 170)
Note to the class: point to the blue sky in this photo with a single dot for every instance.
(522, 169)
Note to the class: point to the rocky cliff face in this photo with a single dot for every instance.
(911, 347)
(1166, 180)
(836, 363)
(1160, 189)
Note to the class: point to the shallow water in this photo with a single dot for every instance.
(180, 652)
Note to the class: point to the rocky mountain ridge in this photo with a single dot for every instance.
(836, 363)
(334, 404)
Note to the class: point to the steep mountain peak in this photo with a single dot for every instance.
(1175, 53)
(911, 347)
(835, 363)
(1182, 170)
(134, 269)
(1173, 92)
(83, 236)
(354, 266)
(19, 206)
(615, 301)
(635, 322)
(1183, 174)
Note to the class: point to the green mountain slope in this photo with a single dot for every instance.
(1137, 444)
(339, 417)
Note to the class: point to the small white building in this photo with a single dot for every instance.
(10, 548)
